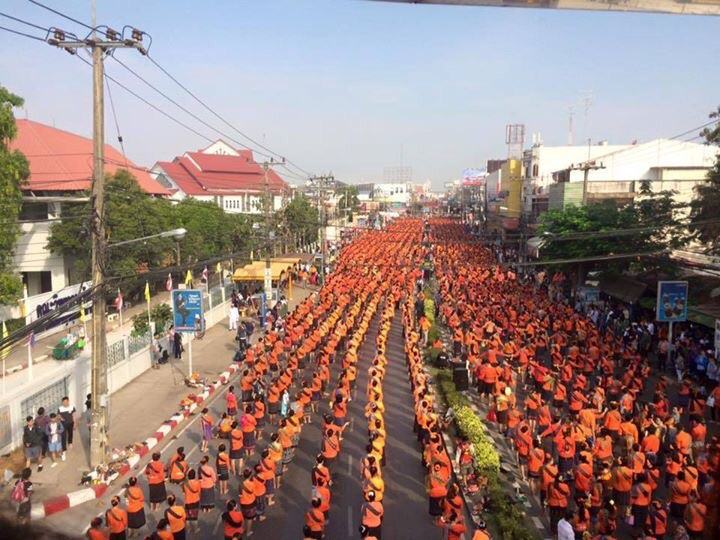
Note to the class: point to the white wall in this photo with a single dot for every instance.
(30, 254)
(394, 192)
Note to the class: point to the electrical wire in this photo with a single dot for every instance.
(155, 107)
(21, 33)
(115, 118)
(212, 111)
(64, 16)
(22, 21)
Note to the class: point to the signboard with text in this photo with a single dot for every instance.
(672, 301)
(187, 308)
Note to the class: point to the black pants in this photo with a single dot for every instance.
(67, 435)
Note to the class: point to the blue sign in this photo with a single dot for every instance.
(187, 310)
(672, 301)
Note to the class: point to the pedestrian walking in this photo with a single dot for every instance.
(233, 317)
(33, 443)
(135, 502)
(67, 414)
(54, 432)
(22, 495)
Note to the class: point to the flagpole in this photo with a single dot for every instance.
(30, 362)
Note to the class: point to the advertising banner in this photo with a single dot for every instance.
(672, 301)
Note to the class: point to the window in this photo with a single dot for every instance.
(50, 397)
(535, 170)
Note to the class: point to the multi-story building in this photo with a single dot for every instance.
(220, 174)
(60, 174)
(666, 164)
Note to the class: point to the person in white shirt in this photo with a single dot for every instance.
(234, 317)
(565, 529)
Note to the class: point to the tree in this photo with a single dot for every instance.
(14, 172)
(301, 218)
(129, 214)
(704, 222)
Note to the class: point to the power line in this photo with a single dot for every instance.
(22, 21)
(117, 125)
(155, 107)
(56, 12)
(212, 111)
(21, 33)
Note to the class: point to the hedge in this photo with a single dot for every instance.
(507, 518)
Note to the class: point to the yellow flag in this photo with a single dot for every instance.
(147, 292)
(82, 313)
(218, 268)
(188, 278)
(5, 350)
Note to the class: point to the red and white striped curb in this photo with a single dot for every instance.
(74, 498)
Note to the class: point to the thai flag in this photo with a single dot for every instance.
(119, 301)
(169, 283)
(205, 275)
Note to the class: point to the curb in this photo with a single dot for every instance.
(74, 498)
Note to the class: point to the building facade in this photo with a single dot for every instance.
(220, 174)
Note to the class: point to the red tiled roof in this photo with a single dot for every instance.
(62, 161)
(196, 173)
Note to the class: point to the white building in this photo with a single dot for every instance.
(397, 193)
(60, 174)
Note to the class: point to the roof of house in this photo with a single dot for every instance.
(62, 161)
(197, 173)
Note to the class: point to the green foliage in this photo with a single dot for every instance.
(140, 324)
(429, 306)
(704, 224)
(161, 314)
(349, 199)
(300, 216)
(130, 213)
(14, 172)
(507, 518)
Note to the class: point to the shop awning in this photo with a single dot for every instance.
(622, 287)
(255, 271)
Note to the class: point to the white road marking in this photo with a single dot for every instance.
(351, 529)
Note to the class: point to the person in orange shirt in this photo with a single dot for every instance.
(162, 531)
(371, 514)
(191, 494)
(622, 477)
(694, 518)
(96, 530)
(557, 499)
(135, 500)
(679, 496)
(116, 520)
(232, 521)
(155, 473)
(315, 520)
(641, 494)
(176, 517)
(248, 499)
(223, 465)
(208, 478)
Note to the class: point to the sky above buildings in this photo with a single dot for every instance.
(353, 86)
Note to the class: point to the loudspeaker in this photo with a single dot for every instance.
(461, 379)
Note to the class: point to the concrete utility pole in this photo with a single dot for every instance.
(98, 385)
(268, 264)
(586, 168)
(320, 194)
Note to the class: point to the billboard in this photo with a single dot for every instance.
(187, 308)
(672, 300)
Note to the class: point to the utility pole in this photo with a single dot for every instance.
(268, 264)
(586, 168)
(322, 218)
(98, 382)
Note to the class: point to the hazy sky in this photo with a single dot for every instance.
(353, 86)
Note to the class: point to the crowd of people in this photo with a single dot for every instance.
(610, 445)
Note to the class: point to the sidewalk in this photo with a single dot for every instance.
(17, 359)
(143, 404)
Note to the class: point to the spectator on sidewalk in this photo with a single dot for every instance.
(33, 443)
(22, 495)
(67, 415)
(177, 345)
(233, 317)
(54, 431)
(41, 421)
